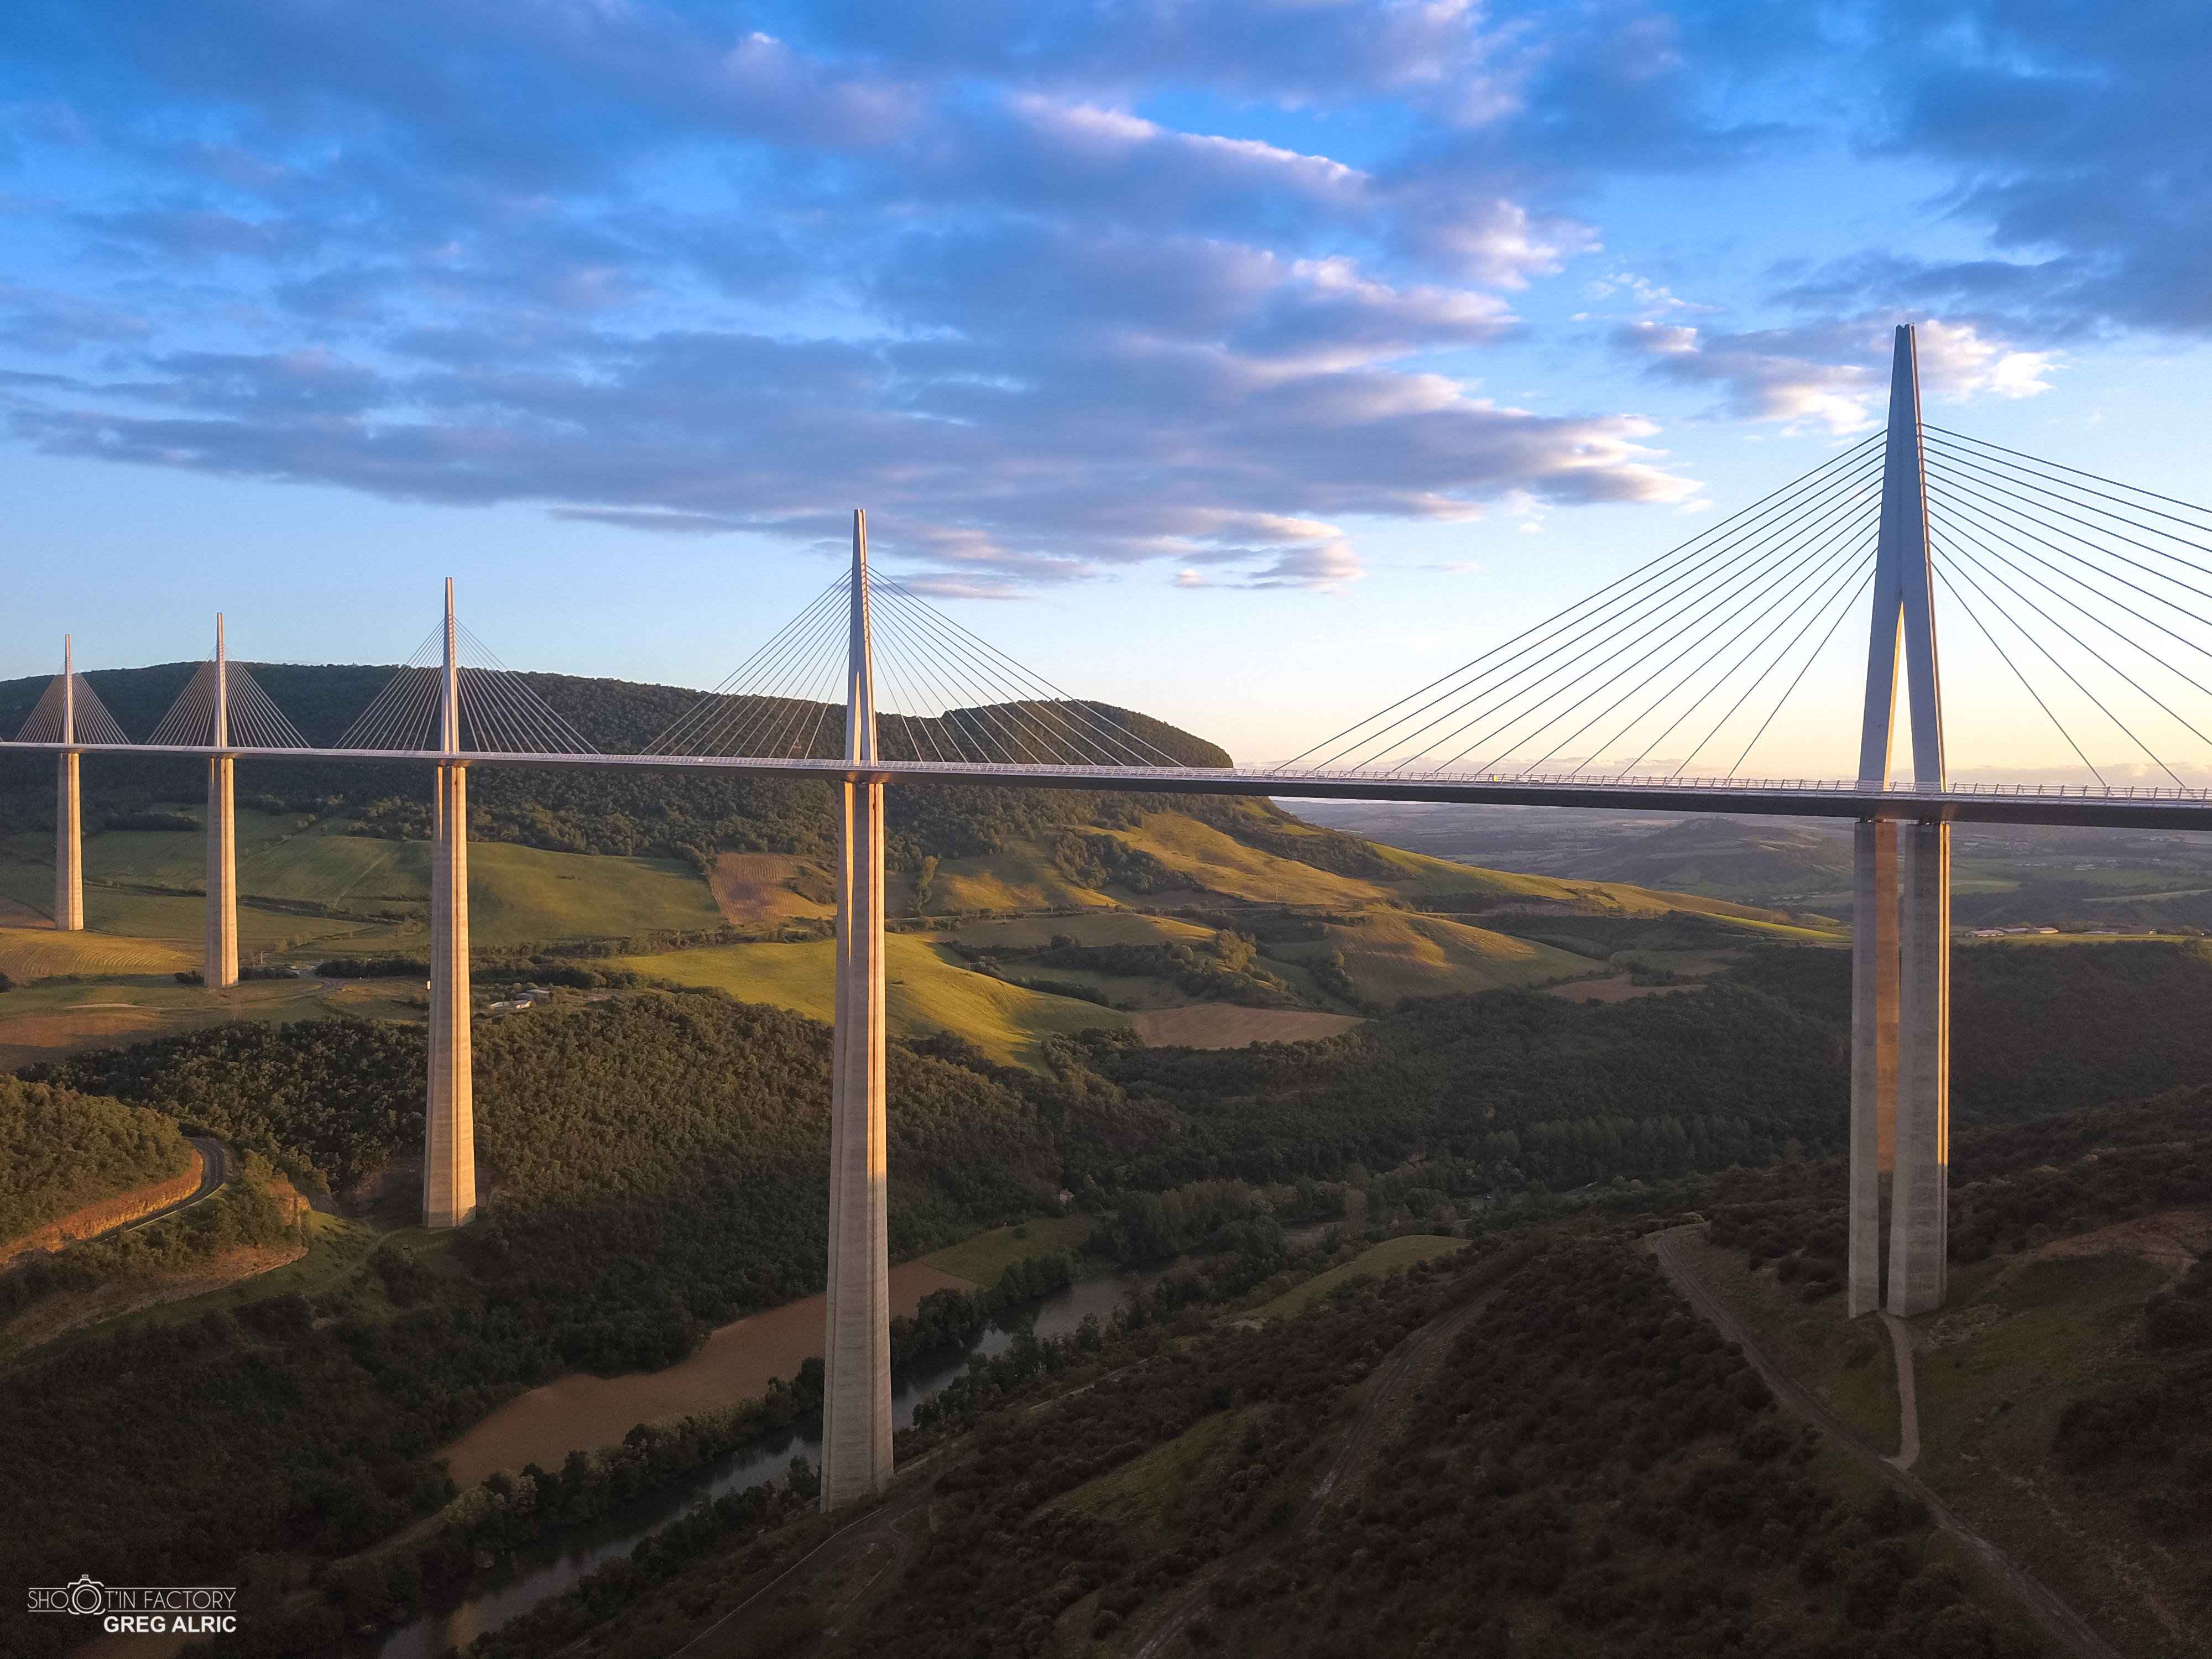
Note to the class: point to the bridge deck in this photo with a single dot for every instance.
(2072, 804)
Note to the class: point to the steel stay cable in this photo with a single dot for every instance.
(1843, 584)
(1714, 589)
(2060, 466)
(1998, 504)
(1697, 554)
(397, 690)
(193, 709)
(805, 694)
(1843, 580)
(2094, 655)
(802, 698)
(2051, 657)
(1691, 561)
(1018, 705)
(1501, 705)
(1817, 590)
(1678, 555)
(1943, 575)
(1998, 527)
(1776, 564)
(1807, 559)
(704, 722)
(1696, 563)
(979, 696)
(525, 722)
(916, 728)
(1998, 477)
(933, 689)
(1851, 597)
(937, 675)
(987, 702)
(2065, 598)
(259, 709)
(759, 718)
(389, 716)
(1103, 734)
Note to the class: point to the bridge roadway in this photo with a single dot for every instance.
(2078, 805)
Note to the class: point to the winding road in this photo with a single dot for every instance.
(212, 1175)
(2060, 1620)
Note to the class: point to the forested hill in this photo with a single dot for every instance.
(690, 815)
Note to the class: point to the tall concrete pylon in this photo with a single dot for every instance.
(856, 1408)
(219, 967)
(449, 1153)
(69, 812)
(1901, 914)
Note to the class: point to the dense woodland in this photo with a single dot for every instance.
(60, 1152)
(2038, 1029)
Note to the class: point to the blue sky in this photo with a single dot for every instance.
(1244, 362)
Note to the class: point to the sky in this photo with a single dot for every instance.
(1246, 363)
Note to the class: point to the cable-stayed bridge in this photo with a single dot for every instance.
(2086, 604)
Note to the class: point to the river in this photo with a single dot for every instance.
(529, 1575)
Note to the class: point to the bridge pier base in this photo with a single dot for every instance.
(219, 968)
(1919, 1224)
(69, 847)
(449, 1160)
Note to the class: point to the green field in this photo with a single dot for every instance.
(380, 889)
(981, 1259)
(1393, 954)
(927, 994)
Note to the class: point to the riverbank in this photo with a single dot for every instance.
(582, 1412)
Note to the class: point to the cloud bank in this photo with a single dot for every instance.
(996, 272)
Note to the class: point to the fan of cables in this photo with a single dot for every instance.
(1680, 664)
(942, 694)
(499, 712)
(2096, 597)
(251, 719)
(94, 724)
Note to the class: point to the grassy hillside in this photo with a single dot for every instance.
(1728, 858)
(926, 994)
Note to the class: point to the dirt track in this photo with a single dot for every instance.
(2060, 1620)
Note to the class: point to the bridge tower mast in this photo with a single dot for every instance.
(1901, 913)
(68, 813)
(449, 1157)
(219, 968)
(856, 1412)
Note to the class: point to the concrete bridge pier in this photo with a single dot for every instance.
(856, 1410)
(69, 846)
(1919, 1222)
(1874, 1053)
(219, 965)
(68, 813)
(449, 1153)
